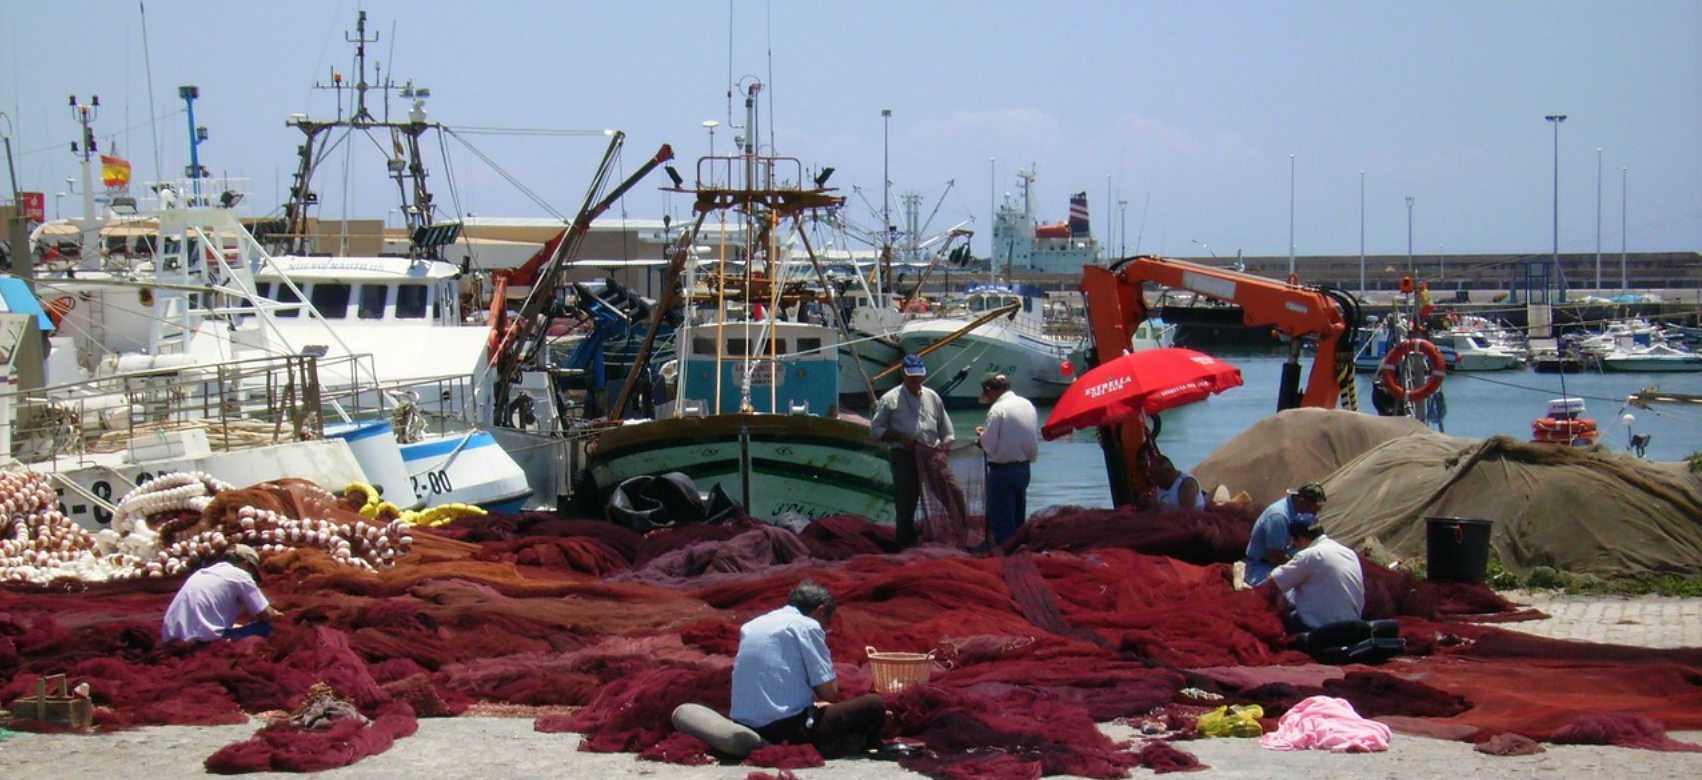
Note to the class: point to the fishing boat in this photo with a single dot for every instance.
(203, 289)
(752, 399)
(1003, 330)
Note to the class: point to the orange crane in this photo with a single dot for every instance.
(1116, 305)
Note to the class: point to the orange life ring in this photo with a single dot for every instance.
(1432, 355)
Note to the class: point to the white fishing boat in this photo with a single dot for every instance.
(1004, 330)
(200, 290)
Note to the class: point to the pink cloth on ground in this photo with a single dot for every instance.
(1327, 723)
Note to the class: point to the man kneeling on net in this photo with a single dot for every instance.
(784, 686)
(1325, 587)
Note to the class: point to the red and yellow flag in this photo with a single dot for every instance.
(115, 172)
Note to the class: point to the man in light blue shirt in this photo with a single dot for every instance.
(1270, 545)
(784, 683)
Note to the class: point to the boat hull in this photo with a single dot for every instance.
(329, 463)
(465, 468)
(1653, 365)
(774, 465)
(1033, 364)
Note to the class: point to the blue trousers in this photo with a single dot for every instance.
(1007, 499)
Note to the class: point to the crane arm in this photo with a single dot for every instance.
(1116, 306)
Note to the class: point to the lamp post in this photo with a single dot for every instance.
(1409, 236)
(886, 180)
(992, 214)
(1362, 232)
(1624, 283)
(1556, 119)
(57, 212)
(1598, 221)
(1291, 216)
(1122, 228)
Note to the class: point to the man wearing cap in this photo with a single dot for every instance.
(1323, 581)
(213, 599)
(1270, 545)
(912, 420)
(1011, 439)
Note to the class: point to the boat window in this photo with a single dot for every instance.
(331, 299)
(703, 345)
(411, 302)
(809, 345)
(286, 294)
(738, 347)
(373, 297)
(1028, 304)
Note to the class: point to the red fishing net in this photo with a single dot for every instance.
(1088, 616)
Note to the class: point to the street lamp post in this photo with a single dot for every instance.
(1624, 283)
(1556, 119)
(1291, 216)
(1362, 232)
(1409, 236)
(57, 212)
(886, 178)
(1598, 221)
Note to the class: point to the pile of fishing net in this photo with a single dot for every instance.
(1293, 447)
(1581, 510)
(1576, 510)
(1088, 616)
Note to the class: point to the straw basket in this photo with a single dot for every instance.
(894, 672)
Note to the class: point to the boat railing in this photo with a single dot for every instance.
(234, 405)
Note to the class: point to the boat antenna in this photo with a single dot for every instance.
(148, 69)
(359, 112)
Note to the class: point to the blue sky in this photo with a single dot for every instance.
(1183, 115)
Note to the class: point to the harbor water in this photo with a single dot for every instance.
(1071, 470)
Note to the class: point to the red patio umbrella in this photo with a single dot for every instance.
(1149, 381)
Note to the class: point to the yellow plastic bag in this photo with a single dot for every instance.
(1240, 720)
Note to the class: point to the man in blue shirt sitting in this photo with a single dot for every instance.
(784, 686)
(1270, 545)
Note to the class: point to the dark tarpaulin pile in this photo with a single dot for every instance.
(1088, 616)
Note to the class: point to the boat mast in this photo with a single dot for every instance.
(406, 166)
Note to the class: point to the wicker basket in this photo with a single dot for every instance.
(893, 672)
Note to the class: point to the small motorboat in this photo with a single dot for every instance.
(1565, 424)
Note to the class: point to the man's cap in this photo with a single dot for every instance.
(995, 381)
(913, 366)
(1310, 491)
(245, 554)
(1303, 524)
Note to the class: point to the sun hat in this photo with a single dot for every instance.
(245, 554)
(1310, 491)
(913, 366)
(995, 381)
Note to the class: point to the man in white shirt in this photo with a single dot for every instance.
(211, 602)
(1323, 581)
(1011, 439)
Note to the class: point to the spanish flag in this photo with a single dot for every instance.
(115, 172)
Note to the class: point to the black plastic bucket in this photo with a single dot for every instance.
(1457, 549)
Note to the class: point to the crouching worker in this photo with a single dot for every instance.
(1325, 590)
(784, 685)
(211, 602)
